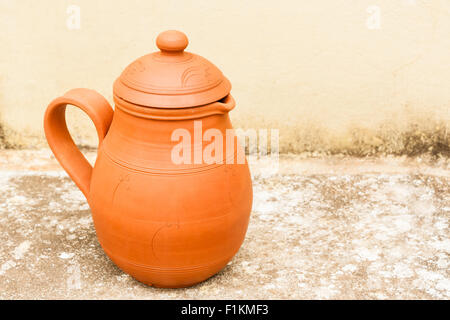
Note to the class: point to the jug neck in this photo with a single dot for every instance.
(145, 138)
(222, 106)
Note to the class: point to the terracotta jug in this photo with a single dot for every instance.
(166, 222)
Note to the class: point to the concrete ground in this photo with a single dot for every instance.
(326, 228)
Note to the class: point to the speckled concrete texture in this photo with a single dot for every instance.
(332, 228)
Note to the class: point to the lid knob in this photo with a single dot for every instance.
(172, 41)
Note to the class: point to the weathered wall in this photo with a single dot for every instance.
(328, 73)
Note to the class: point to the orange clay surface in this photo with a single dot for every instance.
(166, 224)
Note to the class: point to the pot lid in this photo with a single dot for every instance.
(172, 77)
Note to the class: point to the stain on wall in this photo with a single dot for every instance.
(344, 76)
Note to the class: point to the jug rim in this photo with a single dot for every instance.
(222, 106)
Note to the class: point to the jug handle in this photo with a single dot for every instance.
(58, 136)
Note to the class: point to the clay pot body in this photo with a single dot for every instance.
(166, 223)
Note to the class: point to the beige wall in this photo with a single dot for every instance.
(313, 69)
